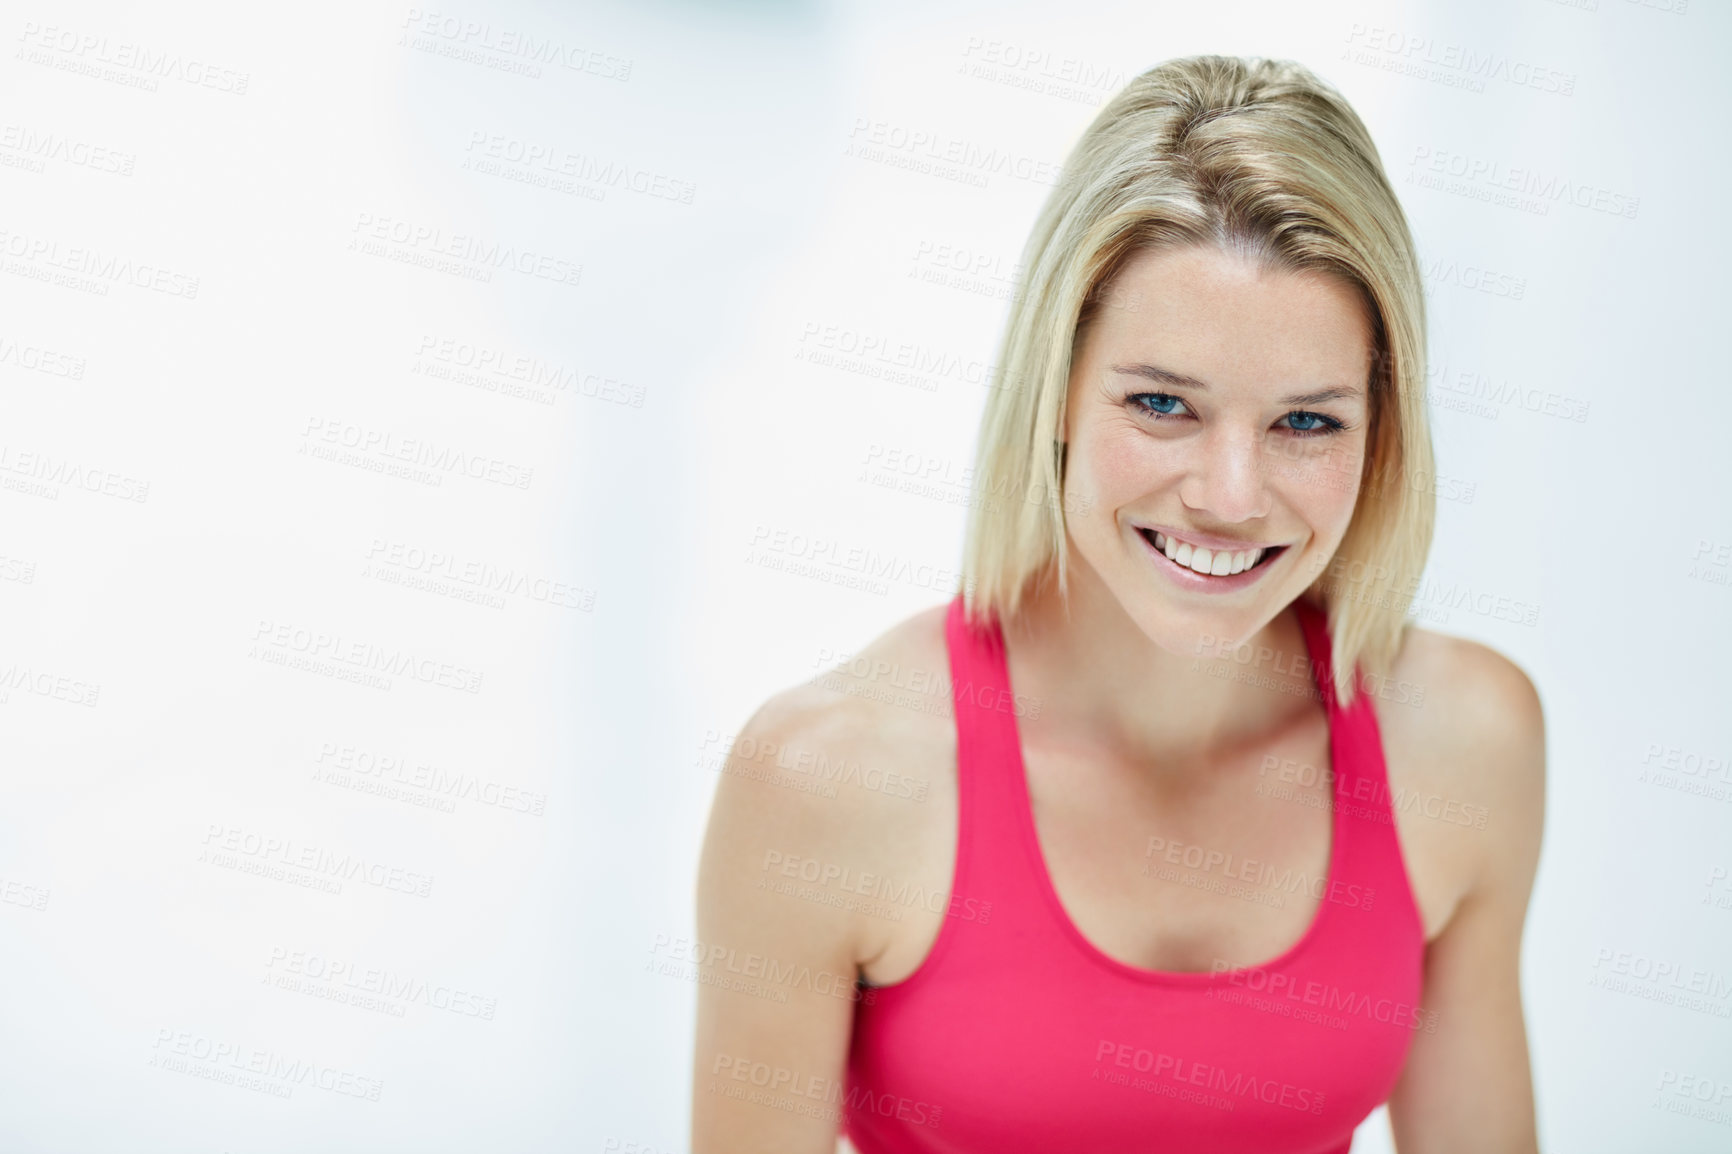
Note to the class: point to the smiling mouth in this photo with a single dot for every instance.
(1211, 562)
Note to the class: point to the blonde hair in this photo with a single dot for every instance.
(1258, 157)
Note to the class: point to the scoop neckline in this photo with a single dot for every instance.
(1037, 858)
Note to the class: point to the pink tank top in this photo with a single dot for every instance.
(1017, 1035)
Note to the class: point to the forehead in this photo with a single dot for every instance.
(1223, 318)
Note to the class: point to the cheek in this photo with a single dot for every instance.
(1119, 463)
(1323, 491)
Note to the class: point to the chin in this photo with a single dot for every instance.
(1192, 631)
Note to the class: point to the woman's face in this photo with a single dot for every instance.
(1216, 421)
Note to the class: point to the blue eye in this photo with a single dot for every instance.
(1300, 422)
(1156, 404)
(1311, 424)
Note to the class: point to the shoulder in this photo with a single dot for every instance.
(819, 783)
(1471, 695)
(1474, 733)
(891, 693)
(825, 767)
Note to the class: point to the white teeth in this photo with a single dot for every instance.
(1209, 562)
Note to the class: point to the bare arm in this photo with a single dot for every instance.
(1468, 1086)
(775, 997)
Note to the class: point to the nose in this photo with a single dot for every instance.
(1226, 478)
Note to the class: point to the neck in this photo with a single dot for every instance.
(1101, 680)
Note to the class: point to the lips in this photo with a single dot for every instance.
(1211, 562)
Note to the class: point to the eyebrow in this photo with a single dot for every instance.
(1181, 381)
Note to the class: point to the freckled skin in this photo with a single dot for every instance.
(1229, 459)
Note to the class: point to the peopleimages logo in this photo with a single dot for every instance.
(1526, 188)
(728, 752)
(38, 254)
(901, 894)
(1259, 873)
(795, 1091)
(1217, 1085)
(223, 844)
(937, 153)
(184, 1052)
(342, 980)
(89, 54)
(713, 964)
(1378, 793)
(934, 683)
(1326, 997)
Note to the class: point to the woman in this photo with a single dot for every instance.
(1214, 853)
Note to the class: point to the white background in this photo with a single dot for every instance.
(176, 537)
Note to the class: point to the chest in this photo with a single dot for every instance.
(1016, 1038)
(1189, 866)
(983, 1062)
(1185, 867)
